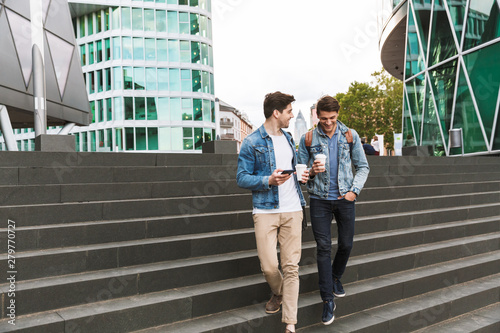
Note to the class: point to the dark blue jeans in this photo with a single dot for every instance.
(322, 213)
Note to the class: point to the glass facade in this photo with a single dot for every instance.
(452, 75)
(148, 67)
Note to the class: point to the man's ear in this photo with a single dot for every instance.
(276, 113)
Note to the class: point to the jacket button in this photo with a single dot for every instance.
(275, 206)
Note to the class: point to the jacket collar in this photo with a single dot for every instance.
(264, 133)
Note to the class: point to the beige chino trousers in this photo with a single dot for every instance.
(285, 228)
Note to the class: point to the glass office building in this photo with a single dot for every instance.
(148, 67)
(451, 71)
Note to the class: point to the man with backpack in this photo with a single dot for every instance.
(332, 190)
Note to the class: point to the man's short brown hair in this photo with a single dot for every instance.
(328, 104)
(276, 101)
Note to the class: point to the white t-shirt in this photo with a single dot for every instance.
(288, 197)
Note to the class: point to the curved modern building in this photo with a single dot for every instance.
(447, 54)
(148, 67)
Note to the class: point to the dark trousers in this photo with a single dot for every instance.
(322, 213)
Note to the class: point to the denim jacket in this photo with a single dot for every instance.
(256, 163)
(320, 184)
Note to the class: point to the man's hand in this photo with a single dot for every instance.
(350, 196)
(317, 167)
(277, 178)
(305, 176)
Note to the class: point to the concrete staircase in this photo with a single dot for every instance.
(110, 242)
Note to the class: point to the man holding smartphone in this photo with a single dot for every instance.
(332, 148)
(277, 203)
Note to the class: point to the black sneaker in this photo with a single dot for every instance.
(338, 290)
(328, 317)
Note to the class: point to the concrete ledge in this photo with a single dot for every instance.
(220, 147)
(51, 143)
(418, 151)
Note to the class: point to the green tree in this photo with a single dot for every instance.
(373, 108)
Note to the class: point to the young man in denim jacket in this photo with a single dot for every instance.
(332, 190)
(277, 203)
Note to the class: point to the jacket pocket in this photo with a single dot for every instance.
(262, 153)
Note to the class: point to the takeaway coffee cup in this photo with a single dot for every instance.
(300, 168)
(321, 158)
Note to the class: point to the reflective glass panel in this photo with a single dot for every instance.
(116, 18)
(119, 139)
(198, 138)
(183, 2)
(423, 19)
(92, 110)
(484, 74)
(483, 23)
(173, 22)
(204, 54)
(203, 26)
(197, 109)
(100, 110)
(184, 23)
(150, 78)
(174, 79)
(129, 108)
(163, 79)
(206, 82)
(409, 137)
(98, 21)
(415, 89)
(188, 144)
(193, 3)
(195, 24)
(91, 53)
(195, 52)
(187, 132)
(119, 112)
(175, 109)
(127, 48)
(177, 143)
(186, 84)
(185, 51)
(109, 109)
(151, 108)
(196, 81)
(126, 23)
(117, 78)
(138, 48)
(128, 78)
(149, 20)
(457, 12)
(91, 82)
(140, 108)
(162, 48)
(153, 138)
(129, 138)
(212, 104)
(431, 135)
(187, 109)
(161, 21)
(442, 45)
(414, 56)
(173, 50)
(92, 141)
(107, 79)
(83, 55)
(465, 118)
(164, 138)
(99, 51)
(107, 49)
(139, 78)
(106, 19)
(90, 24)
(82, 26)
(206, 110)
(137, 19)
(496, 140)
(84, 141)
(163, 108)
(207, 133)
(99, 81)
(443, 82)
(116, 48)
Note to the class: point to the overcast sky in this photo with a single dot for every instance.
(305, 48)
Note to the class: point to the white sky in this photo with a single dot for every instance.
(304, 48)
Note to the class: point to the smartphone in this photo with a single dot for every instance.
(287, 172)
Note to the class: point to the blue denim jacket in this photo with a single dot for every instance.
(256, 163)
(320, 184)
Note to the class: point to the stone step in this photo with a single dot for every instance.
(361, 296)
(142, 311)
(414, 313)
(70, 193)
(372, 256)
(60, 213)
(99, 232)
(409, 180)
(485, 320)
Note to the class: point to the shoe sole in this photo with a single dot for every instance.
(271, 312)
(339, 295)
(329, 322)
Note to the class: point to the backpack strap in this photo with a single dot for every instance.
(348, 136)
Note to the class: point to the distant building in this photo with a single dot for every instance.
(300, 126)
(234, 124)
